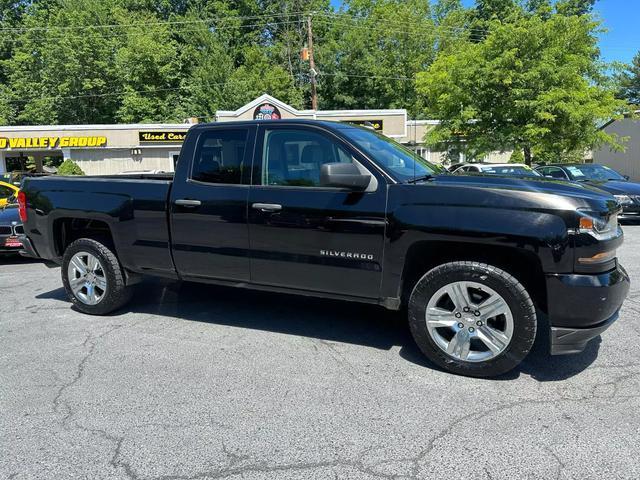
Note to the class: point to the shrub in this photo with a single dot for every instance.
(69, 167)
(517, 156)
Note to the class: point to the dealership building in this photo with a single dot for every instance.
(112, 149)
(97, 149)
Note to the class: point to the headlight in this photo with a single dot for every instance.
(623, 199)
(601, 228)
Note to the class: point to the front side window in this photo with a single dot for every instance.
(401, 162)
(220, 156)
(294, 157)
(5, 191)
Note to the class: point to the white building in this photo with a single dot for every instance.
(97, 149)
(111, 149)
(626, 162)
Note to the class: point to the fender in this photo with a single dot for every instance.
(436, 215)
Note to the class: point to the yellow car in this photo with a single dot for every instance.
(6, 190)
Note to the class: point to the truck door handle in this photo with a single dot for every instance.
(183, 202)
(267, 207)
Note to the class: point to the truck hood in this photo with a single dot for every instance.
(617, 187)
(518, 193)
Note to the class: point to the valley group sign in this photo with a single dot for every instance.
(51, 142)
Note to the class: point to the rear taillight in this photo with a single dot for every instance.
(22, 206)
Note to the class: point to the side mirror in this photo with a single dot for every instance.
(343, 175)
(626, 177)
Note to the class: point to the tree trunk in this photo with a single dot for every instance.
(527, 155)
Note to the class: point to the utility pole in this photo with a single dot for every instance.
(312, 66)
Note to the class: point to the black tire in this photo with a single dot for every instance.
(117, 292)
(508, 287)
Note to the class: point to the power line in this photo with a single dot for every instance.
(107, 94)
(436, 31)
(149, 24)
(211, 20)
(186, 87)
(148, 33)
(373, 77)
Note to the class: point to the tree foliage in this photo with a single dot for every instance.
(69, 167)
(630, 82)
(503, 72)
(533, 83)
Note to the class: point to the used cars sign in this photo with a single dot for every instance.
(162, 137)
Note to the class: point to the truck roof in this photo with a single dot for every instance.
(340, 125)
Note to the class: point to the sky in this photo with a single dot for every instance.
(621, 19)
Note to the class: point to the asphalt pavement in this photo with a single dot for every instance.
(201, 382)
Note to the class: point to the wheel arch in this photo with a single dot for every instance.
(66, 229)
(524, 265)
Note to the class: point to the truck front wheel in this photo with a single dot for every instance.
(93, 277)
(472, 319)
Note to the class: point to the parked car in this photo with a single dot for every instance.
(6, 192)
(337, 211)
(10, 228)
(505, 169)
(627, 193)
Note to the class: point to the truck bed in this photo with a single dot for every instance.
(133, 207)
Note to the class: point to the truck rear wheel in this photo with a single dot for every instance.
(93, 277)
(472, 319)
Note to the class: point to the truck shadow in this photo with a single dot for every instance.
(328, 320)
(15, 259)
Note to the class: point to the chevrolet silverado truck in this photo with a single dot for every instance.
(479, 263)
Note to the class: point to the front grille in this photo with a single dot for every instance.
(19, 230)
(5, 230)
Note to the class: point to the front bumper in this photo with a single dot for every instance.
(581, 306)
(565, 341)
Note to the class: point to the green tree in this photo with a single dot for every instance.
(67, 67)
(532, 84)
(575, 7)
(59, 68)
(444, 8)
(630, 82)
(146, 66)
(496, 9)
(372, 52)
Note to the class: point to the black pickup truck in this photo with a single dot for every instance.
(334, 210)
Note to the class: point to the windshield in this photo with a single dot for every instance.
(516, 170)
(401, 162)
(593, 172)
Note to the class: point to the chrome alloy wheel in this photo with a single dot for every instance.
(87, 278)
(469, 321)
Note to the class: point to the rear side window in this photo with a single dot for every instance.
(220, 157)
(5, 191)
(294, 157)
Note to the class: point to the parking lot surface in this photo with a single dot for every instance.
(194, 382)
